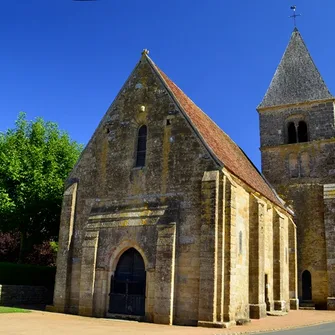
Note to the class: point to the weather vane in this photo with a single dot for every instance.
(294, 16)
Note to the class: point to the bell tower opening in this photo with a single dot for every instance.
(302, 132)
(292, 135)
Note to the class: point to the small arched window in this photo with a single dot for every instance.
(297, 132)
(291, 133)
(302, 132)
(141, 146)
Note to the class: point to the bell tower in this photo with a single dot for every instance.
(297, 130)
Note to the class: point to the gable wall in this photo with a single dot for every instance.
(167, 210)
(109, 183)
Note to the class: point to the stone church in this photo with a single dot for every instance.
(298, 157)
(165, 219)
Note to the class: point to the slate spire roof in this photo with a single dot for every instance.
(221, 147)
(296, 79)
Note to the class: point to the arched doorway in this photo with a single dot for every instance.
(127, 295)
(306, 285)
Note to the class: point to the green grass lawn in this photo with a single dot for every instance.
(4, 309)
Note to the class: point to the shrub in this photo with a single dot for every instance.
(43, 254)
(26, 274)
(9, 247)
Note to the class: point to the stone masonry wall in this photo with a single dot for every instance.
(268, 258)
(329, 220)
(318, 116)
(110, 185)
(298, 172)
(307, 201)
(299, 163)
(267, 265)
(257, 254)
(188, 219)
(240, 290)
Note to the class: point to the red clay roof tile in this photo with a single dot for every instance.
(221, 145)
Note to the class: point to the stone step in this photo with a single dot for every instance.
(307, 308)
(307, 305)
(276, 313)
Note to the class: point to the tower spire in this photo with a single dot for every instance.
(296, 79)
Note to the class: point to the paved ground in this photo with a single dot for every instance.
(38, 323)
(324, 329)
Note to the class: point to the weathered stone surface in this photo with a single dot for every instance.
(331, 303)
(186, 215)
(61, 293)
(303, 173)
(165, 274)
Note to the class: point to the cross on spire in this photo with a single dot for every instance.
(294, 16)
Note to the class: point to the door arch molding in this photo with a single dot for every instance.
(112, 261)
(120, 249)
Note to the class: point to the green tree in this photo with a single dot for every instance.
(35, 159)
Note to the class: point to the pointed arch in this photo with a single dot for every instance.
(306, 286)
(128, 285)
(113, 258)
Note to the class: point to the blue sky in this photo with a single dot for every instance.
(65, 61)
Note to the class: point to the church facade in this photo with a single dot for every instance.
(298, 158)
(165, 219)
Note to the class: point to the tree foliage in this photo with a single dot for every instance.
(9, 247)
(35, 159)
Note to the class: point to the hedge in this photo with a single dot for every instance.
(25, 274)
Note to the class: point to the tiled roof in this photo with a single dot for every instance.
(296, 79)
(219, 143)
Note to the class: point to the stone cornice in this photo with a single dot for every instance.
(295, 105)
(298, 145)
